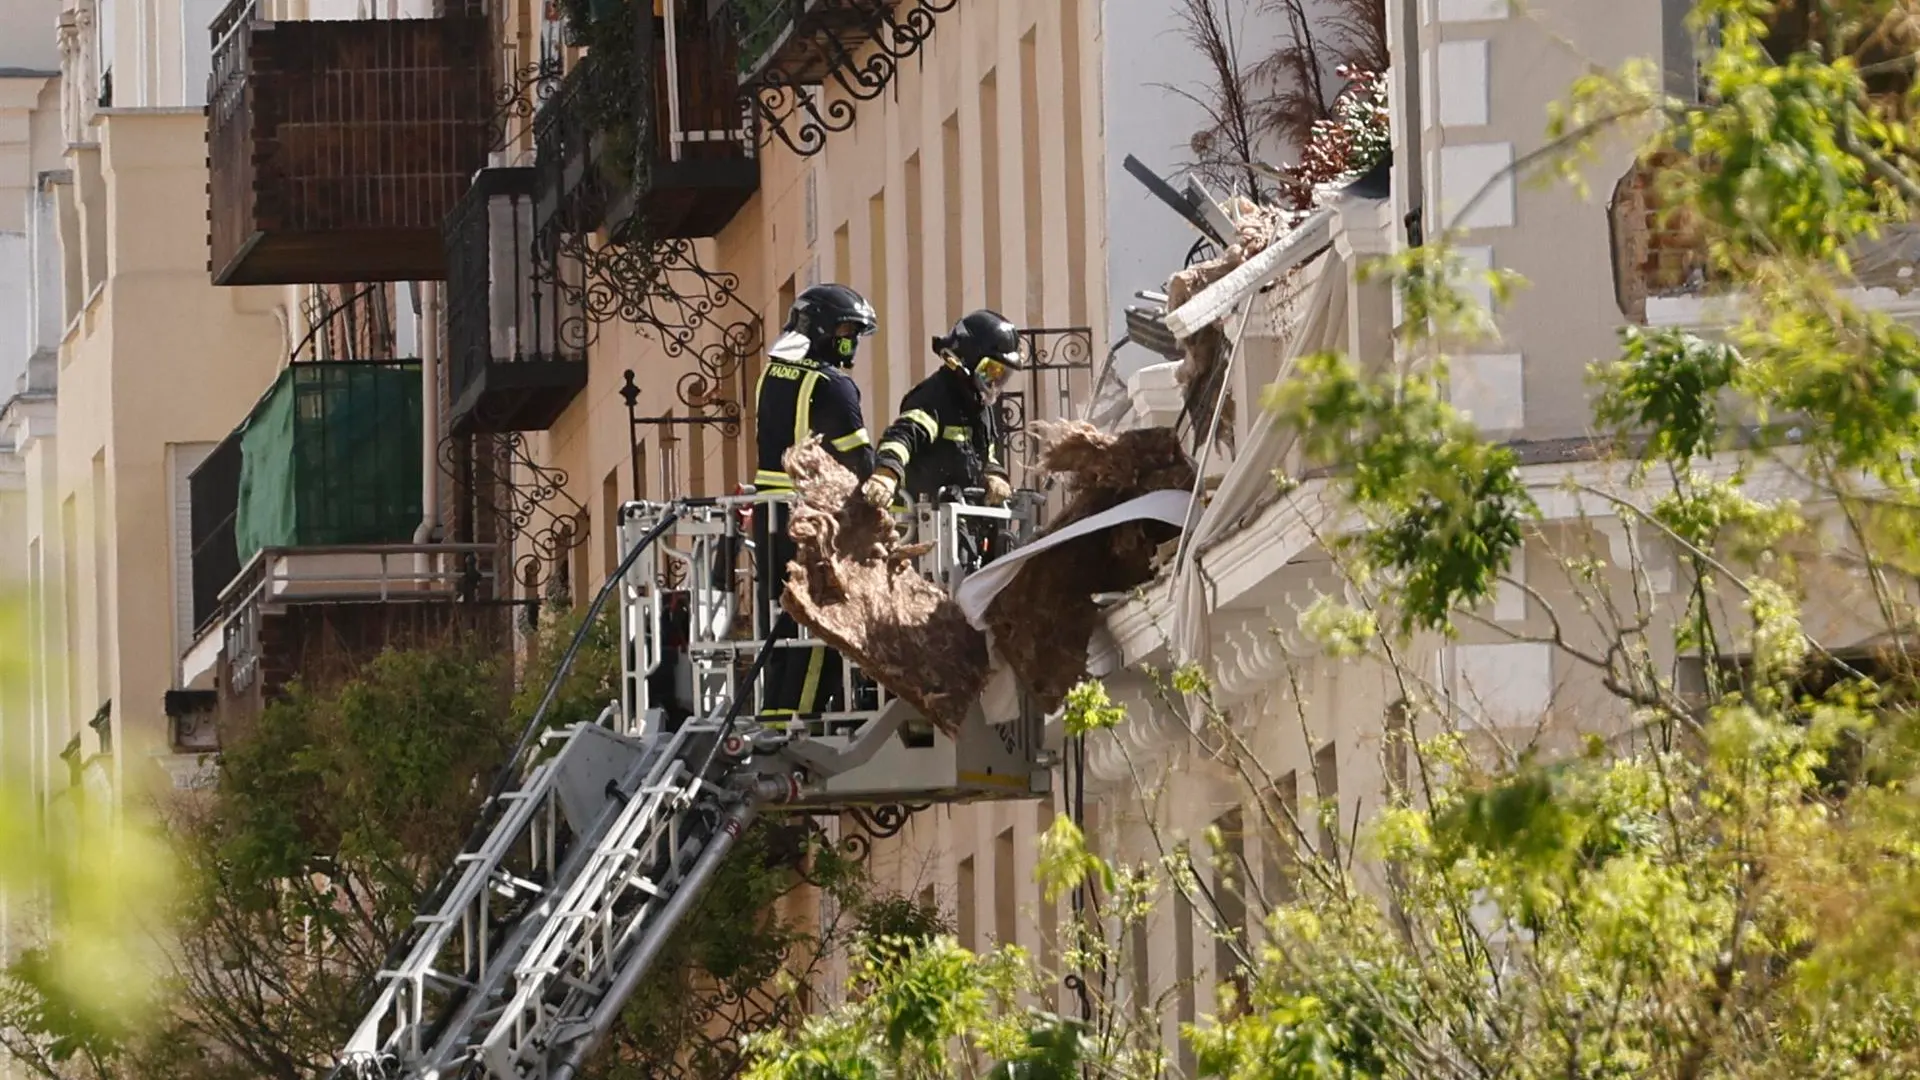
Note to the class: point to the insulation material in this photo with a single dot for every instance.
(1255, 228)
(1171, 506)
(855, 585)
(1048, 652)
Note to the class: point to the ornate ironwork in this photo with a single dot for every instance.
(517, 101)
(1049, 357)
(345, 323)
(873, 823)
(523, 504)
(657, 285)
(860, 43)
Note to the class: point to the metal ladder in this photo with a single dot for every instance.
(531, 955)
(559, 907)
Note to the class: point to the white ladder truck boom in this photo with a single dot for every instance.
(587, 858)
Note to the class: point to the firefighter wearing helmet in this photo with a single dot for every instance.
(805, 391)
(946, 436)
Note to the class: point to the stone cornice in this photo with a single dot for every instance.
(1142, 744)
(27, 419)
(1268, 541)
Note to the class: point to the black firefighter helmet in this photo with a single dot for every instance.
(985, 345)
(826, 323)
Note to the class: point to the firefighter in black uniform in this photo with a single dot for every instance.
(804, 392)
(946, 437)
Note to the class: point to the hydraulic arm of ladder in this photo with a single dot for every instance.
(527, 963)
(555, 916)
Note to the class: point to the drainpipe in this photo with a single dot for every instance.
(427, 309)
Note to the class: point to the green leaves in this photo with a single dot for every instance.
(1443, 509)
(910, 1016)
(80, 885)
(1089, 709)
(1066, 863)
(1667, 387)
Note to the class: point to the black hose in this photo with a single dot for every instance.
(733, 707)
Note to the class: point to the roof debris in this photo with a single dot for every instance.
(854, 584)
(1257, 227)
(1049, 653)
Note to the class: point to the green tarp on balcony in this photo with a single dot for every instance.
(331, 455)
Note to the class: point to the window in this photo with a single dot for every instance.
(1006, 879)
(1188, 1006)
(104, 46)
(1280, 857)
(963, 906)
(917, 335)
(1049, 910)
(1077, 197)
(1229, 890)
(196, 48)
(1033, 226)
(610, 520)
(1326, 781)
(991, 237)
(813, 207)
(1397, 752)
(99, 512)
(951, 192)
(1140, 970)
(579, 585)
(879, 290)
(182, 459)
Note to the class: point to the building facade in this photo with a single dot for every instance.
(319, 418)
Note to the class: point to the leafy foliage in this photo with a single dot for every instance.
(1723, 884)
(76, 987)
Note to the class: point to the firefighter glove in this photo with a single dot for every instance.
(878, 490)
(998, 491)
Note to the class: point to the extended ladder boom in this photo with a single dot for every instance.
(555, 916)
(524, 967)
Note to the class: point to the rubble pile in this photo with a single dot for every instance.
(1048, 652)
(1256, 228)
(854, 583)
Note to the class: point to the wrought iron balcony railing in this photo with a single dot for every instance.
(516, 341)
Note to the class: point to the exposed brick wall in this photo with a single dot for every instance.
(340, 131)
(1658, 249)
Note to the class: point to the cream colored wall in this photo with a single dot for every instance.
(158, 357)
(1488, 75)
(861, 183)
(27, 35)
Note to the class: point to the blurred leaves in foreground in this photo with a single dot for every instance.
(83, 885)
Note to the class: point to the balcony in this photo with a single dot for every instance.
(804, 42)
(336, 148)
(312, 504)
(648, 134)
(516, 353)
(699, 167)
(1663, 277)
(851, 49)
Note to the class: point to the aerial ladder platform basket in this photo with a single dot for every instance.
(598, 839)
